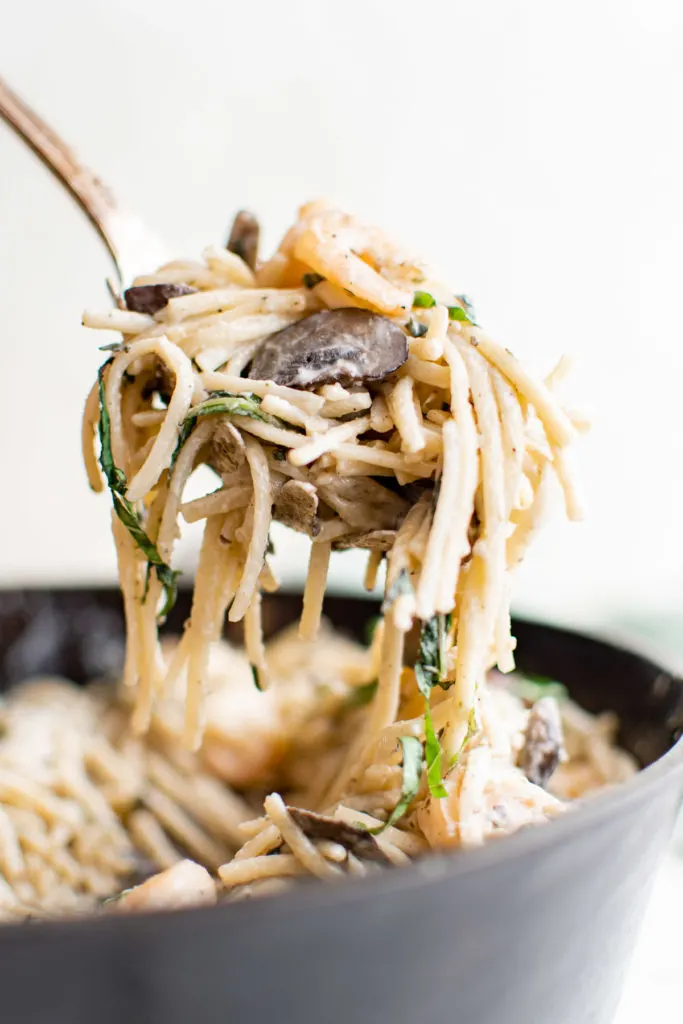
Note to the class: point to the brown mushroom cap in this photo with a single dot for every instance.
(296, 506)
(363, 503)
(373, 540)
(543, 742)
(244, 236)
(344, 346)
(356, 840)
(227, 447)
(150, 298)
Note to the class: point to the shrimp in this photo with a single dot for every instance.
(186, 884)
(356, 258)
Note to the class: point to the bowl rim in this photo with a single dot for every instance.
(441, 866)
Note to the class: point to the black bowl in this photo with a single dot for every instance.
(536, 928)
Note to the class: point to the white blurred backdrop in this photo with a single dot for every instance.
(533, 150)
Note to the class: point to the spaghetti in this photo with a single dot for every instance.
(337, 388)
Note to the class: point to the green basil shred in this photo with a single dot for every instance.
(257, 680)
(530, 687)
(126, 511)
(400, 586)
(423, 300)
(433, 755)
(430, 669)
(222, 403)
(412, 770)
(463, 312)
(360, 696)
(458, 313)
(415, 329)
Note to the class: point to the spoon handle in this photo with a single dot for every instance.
(131, 245)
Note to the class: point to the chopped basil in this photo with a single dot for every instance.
(530, 687)
(423, 300)
(126, 511)
(430, 669)
(401, 585)
(471, 729)
(430, 666)
(458, 313)
(370, 628)
(222, 403)
(412, 770)
(257, 681)
(311, 280)
(415, 329)
(433, 757)
(360, 696)
(468, 307)
(113, 346)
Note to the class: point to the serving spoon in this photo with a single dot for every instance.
(133, 247)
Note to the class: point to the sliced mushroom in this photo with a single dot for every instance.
(244, 236)
(358, 841)
(363, 503)
(375, 540)
(345, 346)
(227, 447)
(543, 742)
(296, 505)
(150, 298)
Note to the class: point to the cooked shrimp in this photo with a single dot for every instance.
(357, 258)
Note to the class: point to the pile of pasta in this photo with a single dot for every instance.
(94, 818)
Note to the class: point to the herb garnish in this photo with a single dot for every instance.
(255, 673)
(126, 511)
(222, 402)
(360, 696)
(113, 346)
(433, 755)
(311, 280)
(458, 313)
(415, 329)
(412, 770)
(430, 669)
(530, 687)
(398, 588)
(423, 300)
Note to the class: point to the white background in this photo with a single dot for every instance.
(532, 149)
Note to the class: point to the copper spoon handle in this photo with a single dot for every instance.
(131, 245)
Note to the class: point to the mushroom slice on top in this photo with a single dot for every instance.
(227, 447)
(362, 502)
(355, 840)
(373, 540)
(543, 742)
(150, 298)
(296, 505)
(244, 236)
(345, 346)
